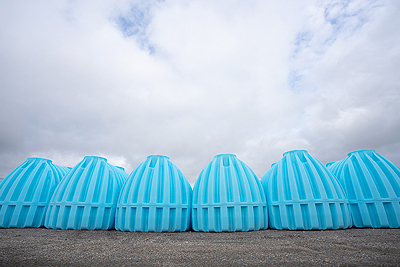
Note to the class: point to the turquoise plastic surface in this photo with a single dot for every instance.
(330, 164)
(156, 198)
(335, 165)
(121, 169)
(303, 195)
(372, 184)
(87, 197)
(228, 196)
(26, 191)
(121, 174)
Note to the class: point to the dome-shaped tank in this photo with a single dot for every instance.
(330, 164)
(303, 195)
(155, 198)
(25, 193)
(122, 175)
(87, 197)
(228, 196)
(335, 165)
(372, 184)
(268, 174)
(121, 169)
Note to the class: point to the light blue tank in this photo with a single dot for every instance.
(303, 195)
(63, 168)
(330, 164)
(372, 184)
(121, 174)
(228, 196)
(121, 169)
(156, 198)
(87, 197)
(335, 165)
(25, 193)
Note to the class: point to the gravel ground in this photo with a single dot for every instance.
(352, 247)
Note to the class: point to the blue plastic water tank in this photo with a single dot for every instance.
(25, 193)
(335, 165)
(372, 184)
(330, 164)
(303, 195)
(228, 196)
(121, 174)
(121, 169)
(156, 198)
(87, 197)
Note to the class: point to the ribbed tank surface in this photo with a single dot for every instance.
(122, 170)
(228, 196)
(303, 195)
(25, 193)
(333, 166)
(155, 198)
(330, 164)
(372, 184)
(87, 197)
(63, 168)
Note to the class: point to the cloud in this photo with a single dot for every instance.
(356, 86)
(194, 79)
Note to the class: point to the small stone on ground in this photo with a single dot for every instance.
(351, 247)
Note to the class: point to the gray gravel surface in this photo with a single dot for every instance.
(352, 247)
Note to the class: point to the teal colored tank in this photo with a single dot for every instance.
(121, 169)
(156, 198)
(25, 193)
(121, 174)
(330, 164)
(372, 184)
(87, 197)
(303, 195)
(228, 196)
(335, 165)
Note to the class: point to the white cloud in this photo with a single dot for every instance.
(195, 79)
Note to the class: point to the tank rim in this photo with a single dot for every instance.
(228, 154)
(98, 157)
(294, 151)
(157, 156)
(360, 150)
(48, 160)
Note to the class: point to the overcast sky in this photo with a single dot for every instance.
(192, 79)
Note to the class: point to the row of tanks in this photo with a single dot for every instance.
(297, 193)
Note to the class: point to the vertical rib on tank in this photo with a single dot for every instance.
(122, 170)
(372, 184)
(334, 166)
(329, 164)
(25, 193)
(228, 196)
(87, 197)
(121, 175)
(156, 198)
(303, 195)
